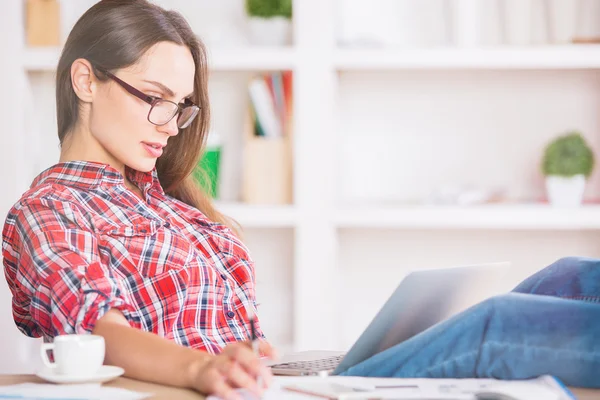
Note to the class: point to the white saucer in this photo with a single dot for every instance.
(104, 374)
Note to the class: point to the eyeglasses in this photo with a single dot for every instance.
(161, 111)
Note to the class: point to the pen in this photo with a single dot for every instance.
(254, 337)
(254, 340)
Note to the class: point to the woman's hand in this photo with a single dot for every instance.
(235, 367)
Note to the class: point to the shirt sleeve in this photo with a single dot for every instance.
(54, 271)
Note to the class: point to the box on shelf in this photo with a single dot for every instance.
(267, 168)
(42, 23)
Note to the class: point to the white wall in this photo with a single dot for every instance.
(19, 354)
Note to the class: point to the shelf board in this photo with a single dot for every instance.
(259, 216)
(224, 59)
(252, 59)
(274, 58)
(545, 57)
(496, 216)
(43, 59)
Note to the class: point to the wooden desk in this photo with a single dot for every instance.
(160, 392)
(168, 393)
(587, 394)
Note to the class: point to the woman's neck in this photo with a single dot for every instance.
(80, 145)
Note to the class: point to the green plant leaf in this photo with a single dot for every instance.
(567, 156)
(269, 8)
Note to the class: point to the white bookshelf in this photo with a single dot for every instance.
(40, 59)
(260, 216)
(534, 57)
(392, 124)
(249, 58)
(246, 58)
(486, 217)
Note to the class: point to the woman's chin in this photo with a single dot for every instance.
(142, 165)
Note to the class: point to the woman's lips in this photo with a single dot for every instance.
(154, 149)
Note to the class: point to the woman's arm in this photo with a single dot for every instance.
(148, 357)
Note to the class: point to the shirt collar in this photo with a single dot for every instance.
(88, 174)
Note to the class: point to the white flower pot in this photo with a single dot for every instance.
(565, 192)
(275, 31)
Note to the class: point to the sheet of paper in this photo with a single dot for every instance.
(408, 389)
(35, 391)
(394, 389)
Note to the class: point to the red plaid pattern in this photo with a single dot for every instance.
(79, 243)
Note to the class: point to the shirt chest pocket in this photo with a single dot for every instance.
(149, 247)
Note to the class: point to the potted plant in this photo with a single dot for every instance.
(568, 161)
(269, 21)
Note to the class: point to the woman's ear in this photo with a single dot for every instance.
(83, 80)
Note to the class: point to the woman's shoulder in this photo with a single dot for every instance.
(45, 202)
(48, 191)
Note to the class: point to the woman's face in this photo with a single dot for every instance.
(119, 120)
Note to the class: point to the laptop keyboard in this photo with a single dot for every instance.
(323, 364)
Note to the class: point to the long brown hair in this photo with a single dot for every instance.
(115, 34)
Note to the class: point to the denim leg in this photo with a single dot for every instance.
(571, 278)
(512, 336)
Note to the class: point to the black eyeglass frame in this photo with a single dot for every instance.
(153, 101)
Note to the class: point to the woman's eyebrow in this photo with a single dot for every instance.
(165, 89)
(162, 87)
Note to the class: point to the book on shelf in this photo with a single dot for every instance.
(271, 103)
(267, 172)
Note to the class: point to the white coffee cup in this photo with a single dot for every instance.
(75, 355)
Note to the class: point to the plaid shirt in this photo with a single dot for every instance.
(79, 243)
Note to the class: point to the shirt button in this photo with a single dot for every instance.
(230, 314)
(167, 225)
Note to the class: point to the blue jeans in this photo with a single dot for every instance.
(549, 324)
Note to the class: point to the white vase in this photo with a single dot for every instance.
(275, 31)
(397, 23)
(565, 192)
(467, 22)
(563, 20)
(422, 23)
(518, 17)
(361, 23)
(588, 20)
(540, 20)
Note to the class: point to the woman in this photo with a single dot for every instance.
(116, 239)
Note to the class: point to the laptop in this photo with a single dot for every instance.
(422, 299)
